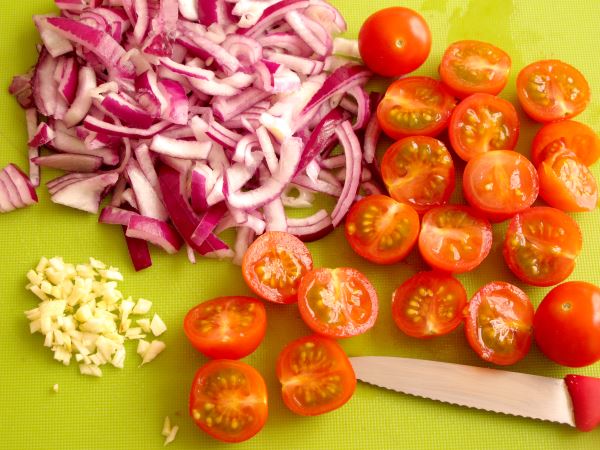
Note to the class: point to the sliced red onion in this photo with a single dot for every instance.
(291, 105)
(249, 11)
(298, 197)
(205, 48)
(154, 231)
(318, 186)
(10, 192)
(186, 70)
(100, 126)
(183, 166)
(372, 134)
(149, 203)
(273, 14)
(275, 217)
(149, 95)
(144, 159)
(180, 149)
(353, 153)
(178, 108)
(71, 5)
(363, 109)
(200, 186)
(191, 254)
(334, 162)
(326, 15)
(322, 137)
(339, 81)
(207, 11)
(246, 50)
(98, 42)
(69, 144)
(346, 47)
(83, 99)
(138, 251)
(291, 150)
(213, 247)
(129, 198)
(125, 110)
(58, 183)
(67, 79)
(53, 41)
(310, 233)
(86, 194)
(113, 215)
(45, 89)
(207, 224)
(303, 65)
(42, 136)
(70, 162)
(189, 9)
(25, 189)
(32, 152)
(306, 29)
(227, 108)
(142, 20)
(290, 44)
(244, 238)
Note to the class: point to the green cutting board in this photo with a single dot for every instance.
(125, 408)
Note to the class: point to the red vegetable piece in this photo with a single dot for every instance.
(585, 395)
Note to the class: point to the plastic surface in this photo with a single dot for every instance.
(125, 409)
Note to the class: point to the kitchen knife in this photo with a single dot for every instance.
(574, 401)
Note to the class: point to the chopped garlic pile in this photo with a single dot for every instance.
(169, 432)
(83, 314)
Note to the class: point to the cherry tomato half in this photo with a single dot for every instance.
(469, 67)
(419, 172)
(226, 327)
(454, 238)
(566, 135)
(382, 230)
(316, 376)
(541, 246)
(274, 264)
(415, 106)
(567, 324)
(481, 123)
(394, 41)
(552, 90)
(338, 302)
(228, 400)
(429, 304)
(500, 184)
(499, 323)
(567, 184)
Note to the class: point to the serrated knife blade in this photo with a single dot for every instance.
(500, 391)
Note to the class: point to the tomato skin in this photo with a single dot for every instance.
(474, 126)
(499, 323)
(215, 406)
(512, 180)
(541, 246)
(276, 257)
(235, 327)
(380, 35)
(415, 106)
(419, 171)
(566, 135)
(454, 238)
(375, 219)
(567, 184)
(461, 73)
(551, 90)
(429, 304)
(567, 324)
(351, 306)
(318, 382)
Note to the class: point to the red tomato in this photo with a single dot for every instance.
(228, 400)
(567, 324)
(382, 230)
(338, 302)
(394, 41)
(552, 90)
(415, 106)
(469, 67)
(316, 376)
(500, 183)
(274, 264)
(226, 327)
(429, 304)
(499, 323)
(541, 246)
(454, 238)
(567, 184)
(566, 135)
(481, 123)
(419, 172)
